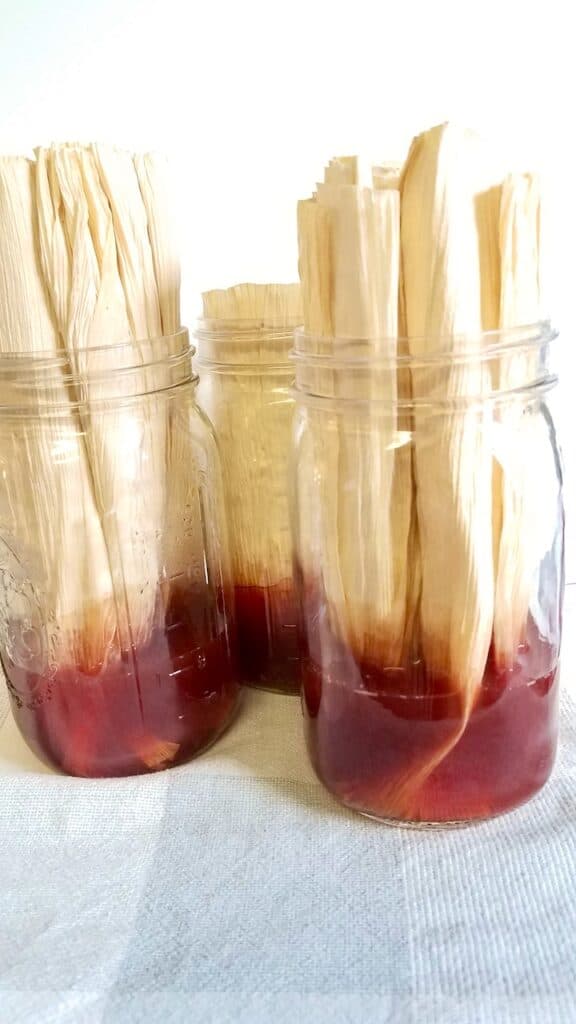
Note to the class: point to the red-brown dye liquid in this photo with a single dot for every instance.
(266, 637)
(387, 741)
(144, 710)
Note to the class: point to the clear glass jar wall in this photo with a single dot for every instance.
(246, 381)
(115, 602)
(429, 554)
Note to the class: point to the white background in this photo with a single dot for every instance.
(250, 98)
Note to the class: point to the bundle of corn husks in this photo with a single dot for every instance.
(349, 238)
(88, 262)
(430, 536)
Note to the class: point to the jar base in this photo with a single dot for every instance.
(181, 762)
(439, 826)
(152, 708)
(396, 745)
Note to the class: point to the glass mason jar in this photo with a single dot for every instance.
(246, 381)
(428, 525)
(115, 603)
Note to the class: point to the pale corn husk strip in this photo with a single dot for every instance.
(487, 223)
(315, 266)
(350, 170)
(153, 180)
(181, 550)
(252, 415)
(358, 307)
(386, 176)
(528, 470)
(54, 531)
(351, 291)
(342, 170)
(318, 451)
(97, 315)
(365, 305)
(392, 575)
(135, 260)
(405, 490)
(446, 267)
(136, 194)
(319, 444)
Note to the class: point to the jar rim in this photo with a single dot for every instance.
(120, 371)
(226, 346)
(42, 359)
(246, 326)
(491, 366)
(472, 347)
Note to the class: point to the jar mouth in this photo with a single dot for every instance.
(318, 350)
(121, 353)
(493, 366)
(247, 326)
(246, 345)
(103, 373)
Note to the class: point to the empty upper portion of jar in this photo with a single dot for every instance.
(37, 382)
(491, 366)
(245, 345)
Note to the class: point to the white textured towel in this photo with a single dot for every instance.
(235, 891)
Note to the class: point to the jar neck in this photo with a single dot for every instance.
(245, 344)
(491, 365)
(41, 381)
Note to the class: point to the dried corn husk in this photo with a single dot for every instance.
(112, 298)
(349, 266)
(386, 175)
(119, 182)
(315, 266)
(153, 180)
(342, 170)
(179, 550)
(251, 410)
(450, 293)
(319, 445)
(51, 532)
